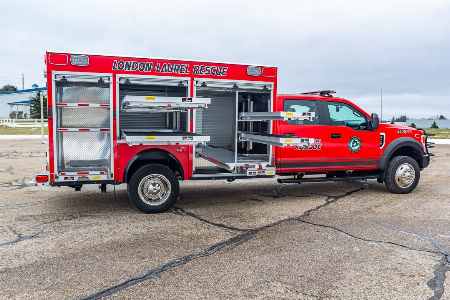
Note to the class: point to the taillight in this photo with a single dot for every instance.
(41, 178)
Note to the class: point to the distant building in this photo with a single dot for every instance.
(17, 104)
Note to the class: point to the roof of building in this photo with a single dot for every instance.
(20, 102)
(34, 89)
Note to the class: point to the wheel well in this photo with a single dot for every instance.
(153, 157)
(408, 151)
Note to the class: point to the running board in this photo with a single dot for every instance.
(325, 179)
(226, 176)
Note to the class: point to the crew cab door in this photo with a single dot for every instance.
(300, 158)
(348, 138)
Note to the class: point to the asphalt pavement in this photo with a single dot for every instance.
(253, 239)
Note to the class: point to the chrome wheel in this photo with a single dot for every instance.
(154, 189)
(405, 175)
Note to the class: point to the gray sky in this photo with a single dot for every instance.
(353, 46)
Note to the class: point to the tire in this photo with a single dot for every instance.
(402, 175)
(153, 188)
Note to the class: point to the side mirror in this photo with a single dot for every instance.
(374, 121)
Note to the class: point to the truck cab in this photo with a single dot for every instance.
(347, 141)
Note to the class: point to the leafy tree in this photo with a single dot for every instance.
(442, 117)
(402, 118)
(393, 120)
(434, 125)
(8, 88)
(35, 109)
(413, 125)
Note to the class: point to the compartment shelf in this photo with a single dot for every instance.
(163, 137)
(276, 115)
(148, 103)
(275, 140)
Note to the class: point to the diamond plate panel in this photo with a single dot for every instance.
(83, 93)
(85, 150)
(84, 117)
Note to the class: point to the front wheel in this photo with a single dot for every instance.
(153, 188)
(402, 175)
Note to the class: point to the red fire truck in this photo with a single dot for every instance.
(153, 122)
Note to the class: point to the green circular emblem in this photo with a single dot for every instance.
(354, 144)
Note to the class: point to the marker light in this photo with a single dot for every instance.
(41, 178)
(254, 70)
(79, 60)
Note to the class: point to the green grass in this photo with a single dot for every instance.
(439, 133)
(20, 131)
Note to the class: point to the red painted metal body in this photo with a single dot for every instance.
(115, 66)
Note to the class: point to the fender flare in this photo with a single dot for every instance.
(397, 144)
(149, 155)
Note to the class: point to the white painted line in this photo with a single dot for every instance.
(22, 137)
(440, 141)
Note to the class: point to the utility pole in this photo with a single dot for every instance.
(41, 99)
(23, 81)
(381, 103)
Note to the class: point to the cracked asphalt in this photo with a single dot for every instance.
(252, 239)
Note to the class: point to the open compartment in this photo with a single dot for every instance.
(156, 110)
(220, 121)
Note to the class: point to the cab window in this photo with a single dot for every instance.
(302, 106)
(344, 115)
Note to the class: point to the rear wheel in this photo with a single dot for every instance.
(402, 175)
(153, 188)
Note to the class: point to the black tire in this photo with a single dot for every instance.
(161, 178)
(394, 183)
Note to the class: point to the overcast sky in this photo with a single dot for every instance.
(355, 47)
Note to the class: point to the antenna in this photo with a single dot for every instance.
(381, 104)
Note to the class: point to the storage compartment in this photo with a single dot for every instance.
(220, 121)
(151, 120)
(82, 123)
(84, 151)
(156, 110)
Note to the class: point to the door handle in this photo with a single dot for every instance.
(336, 135)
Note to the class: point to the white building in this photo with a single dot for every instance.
(18, 101)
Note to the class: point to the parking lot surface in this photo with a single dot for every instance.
(248, 239)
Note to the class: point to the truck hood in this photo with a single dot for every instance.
(401, 129)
